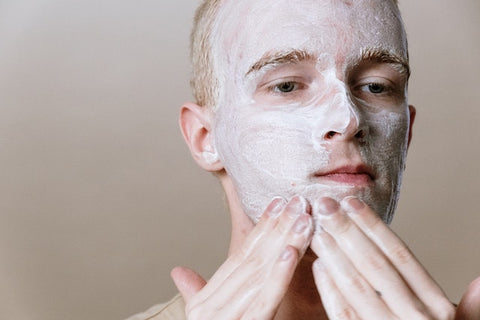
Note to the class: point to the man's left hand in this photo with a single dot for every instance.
(365, 271)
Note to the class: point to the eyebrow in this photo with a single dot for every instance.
(295, 56)
(384, 56)
(281, 57)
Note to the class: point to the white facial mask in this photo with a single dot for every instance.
(275, 144)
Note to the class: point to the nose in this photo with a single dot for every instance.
(351, 131)
(340, 119)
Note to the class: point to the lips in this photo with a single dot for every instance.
(356, 175)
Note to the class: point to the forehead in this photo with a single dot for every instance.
(247, 29)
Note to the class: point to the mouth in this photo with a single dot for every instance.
(354, 175)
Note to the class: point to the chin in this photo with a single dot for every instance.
(381, 201)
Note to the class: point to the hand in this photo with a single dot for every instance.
(469, 306)
(252, 282)
(364, 271)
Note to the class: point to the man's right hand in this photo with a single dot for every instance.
(252, 281)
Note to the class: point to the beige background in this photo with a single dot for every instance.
(99, 198)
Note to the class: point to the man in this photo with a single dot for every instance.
(302, 114)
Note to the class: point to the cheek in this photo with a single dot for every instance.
(388, 142)
(266, 155)
(269, 144)
(392, 127)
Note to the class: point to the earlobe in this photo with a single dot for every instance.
(195, 124)
(413, 112)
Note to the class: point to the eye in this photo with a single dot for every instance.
(375, 88)
(285, 87)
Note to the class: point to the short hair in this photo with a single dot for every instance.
(205, 85)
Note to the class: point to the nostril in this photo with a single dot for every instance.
(360, 134)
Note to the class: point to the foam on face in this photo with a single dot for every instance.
(272, 145)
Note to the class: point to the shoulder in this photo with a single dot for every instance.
(172, 310)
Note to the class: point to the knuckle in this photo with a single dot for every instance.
(374, 223)
(420, 313)
(401, 254)
(375, 261)
(446, 311)
(254, 280)
(342, 226)
(345, 313)
(290, 251)
(242, 253)
(325, 240)
(357, 283)
(255, 260)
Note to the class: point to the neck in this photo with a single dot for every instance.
(302, 300)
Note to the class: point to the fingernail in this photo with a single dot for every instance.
(327, 206)
(355, 203)
(275, 207)
(296, 206)
(301, 224)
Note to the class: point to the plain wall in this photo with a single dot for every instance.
(99, 197)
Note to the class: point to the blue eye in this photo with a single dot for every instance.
(286, 87)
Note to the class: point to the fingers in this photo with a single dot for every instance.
(296, 231)
(254, 280)
(266, 303)
(409, 268)
(361, 253)
(333, 301)
(266, 224)
(342, 279)
(469, 306)
(290, 228)
(366, 257)
(188, 282)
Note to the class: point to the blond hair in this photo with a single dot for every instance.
(204, 83)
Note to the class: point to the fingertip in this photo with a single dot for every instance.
(469, 306)
(296, 206)
(276, 206)
(187, 281)
(353, 204)
(176, 271)
(326, 206)
(474, 287)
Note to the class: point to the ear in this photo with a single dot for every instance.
(195, 124)
(413, 112)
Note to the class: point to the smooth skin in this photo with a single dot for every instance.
(364, 271)
(355, 248)
(252, 282)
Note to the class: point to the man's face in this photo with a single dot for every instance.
(312, 100)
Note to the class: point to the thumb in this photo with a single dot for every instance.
(469, 306)
(188, 282)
